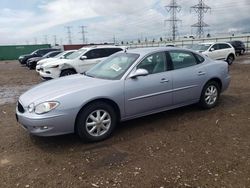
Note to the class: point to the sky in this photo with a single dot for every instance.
(39, 21)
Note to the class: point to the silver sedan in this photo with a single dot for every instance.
(127, 85)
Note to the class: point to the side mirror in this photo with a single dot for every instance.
(139, 72)
(83, 57)
(212, 49)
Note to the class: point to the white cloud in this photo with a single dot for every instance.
(126, 19)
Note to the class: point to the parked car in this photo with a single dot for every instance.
(217, 51)
(62, 55)
(38, 53)
(239, 47)
(32, 62)
(127, 85)
(78, 62)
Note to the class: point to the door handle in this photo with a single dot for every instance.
(164, 80)
(200, 73)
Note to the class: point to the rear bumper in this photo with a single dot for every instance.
(226, 83)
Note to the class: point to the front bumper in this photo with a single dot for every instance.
(50, 73)
(47, 124)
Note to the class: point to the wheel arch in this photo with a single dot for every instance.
(215, 79)
(105, 100)
(66, 67)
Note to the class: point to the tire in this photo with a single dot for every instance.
(67, 72)
(242, 52)
(97, 129)
(210, 95)
(230, 59)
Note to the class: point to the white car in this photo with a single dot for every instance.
(62, 55)
(217, 51)
(78, 62)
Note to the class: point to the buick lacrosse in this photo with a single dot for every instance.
(127, 85)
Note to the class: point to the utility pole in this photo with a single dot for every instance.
(173, 8)
(45, 39)
(69, 34)
(201, 8)
(114, 39)
(83, 32)
(35, 40)
(55, 39)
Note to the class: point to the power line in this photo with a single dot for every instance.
(83, 32)
(69, 34)
(201, 8)
(173, 8)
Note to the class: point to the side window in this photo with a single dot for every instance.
(110, 51)
(223, 46)
(95, 54)
(215, 47)
(199, 58)
(182, 59)
(154, 63)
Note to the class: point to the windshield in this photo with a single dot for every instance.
(33, 53)
(59, 55)
(114, 67)
(201, 47)
(77, 54)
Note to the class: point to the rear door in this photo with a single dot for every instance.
(189, 76)
(149, 93)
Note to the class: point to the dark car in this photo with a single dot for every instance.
(38, 53)
(32, 62)
(239, 47)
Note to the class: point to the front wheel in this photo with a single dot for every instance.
(96, 122)
(67, 72)
(210, 95)
(230, 59)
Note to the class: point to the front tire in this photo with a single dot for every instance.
(96, 122)
(230, 59)
(67, 72)
(210, 95)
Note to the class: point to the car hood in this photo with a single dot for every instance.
(57, 62)
(42, 61)
(35, 58)
(51, 90)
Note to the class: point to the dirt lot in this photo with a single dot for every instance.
(187, 147)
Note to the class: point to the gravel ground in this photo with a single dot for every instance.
(186, 147)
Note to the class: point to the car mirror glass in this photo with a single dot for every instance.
(139, 72)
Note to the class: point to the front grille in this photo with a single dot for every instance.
(20, 107)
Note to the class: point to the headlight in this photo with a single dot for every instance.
(45, 107)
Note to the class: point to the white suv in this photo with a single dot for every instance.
(77, 62)
(217, 51)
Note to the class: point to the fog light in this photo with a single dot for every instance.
(44, 127)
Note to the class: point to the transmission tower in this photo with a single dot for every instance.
(83, 32)
(55, 39)
(201, 8)
(69, 34)
(173, 8)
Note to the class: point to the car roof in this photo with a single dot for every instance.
(102, 46)
(145, 51)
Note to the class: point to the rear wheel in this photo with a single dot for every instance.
(230, 59)
(210, 95)
(67, 72)
(96, 122)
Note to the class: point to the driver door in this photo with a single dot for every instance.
(145, 94)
